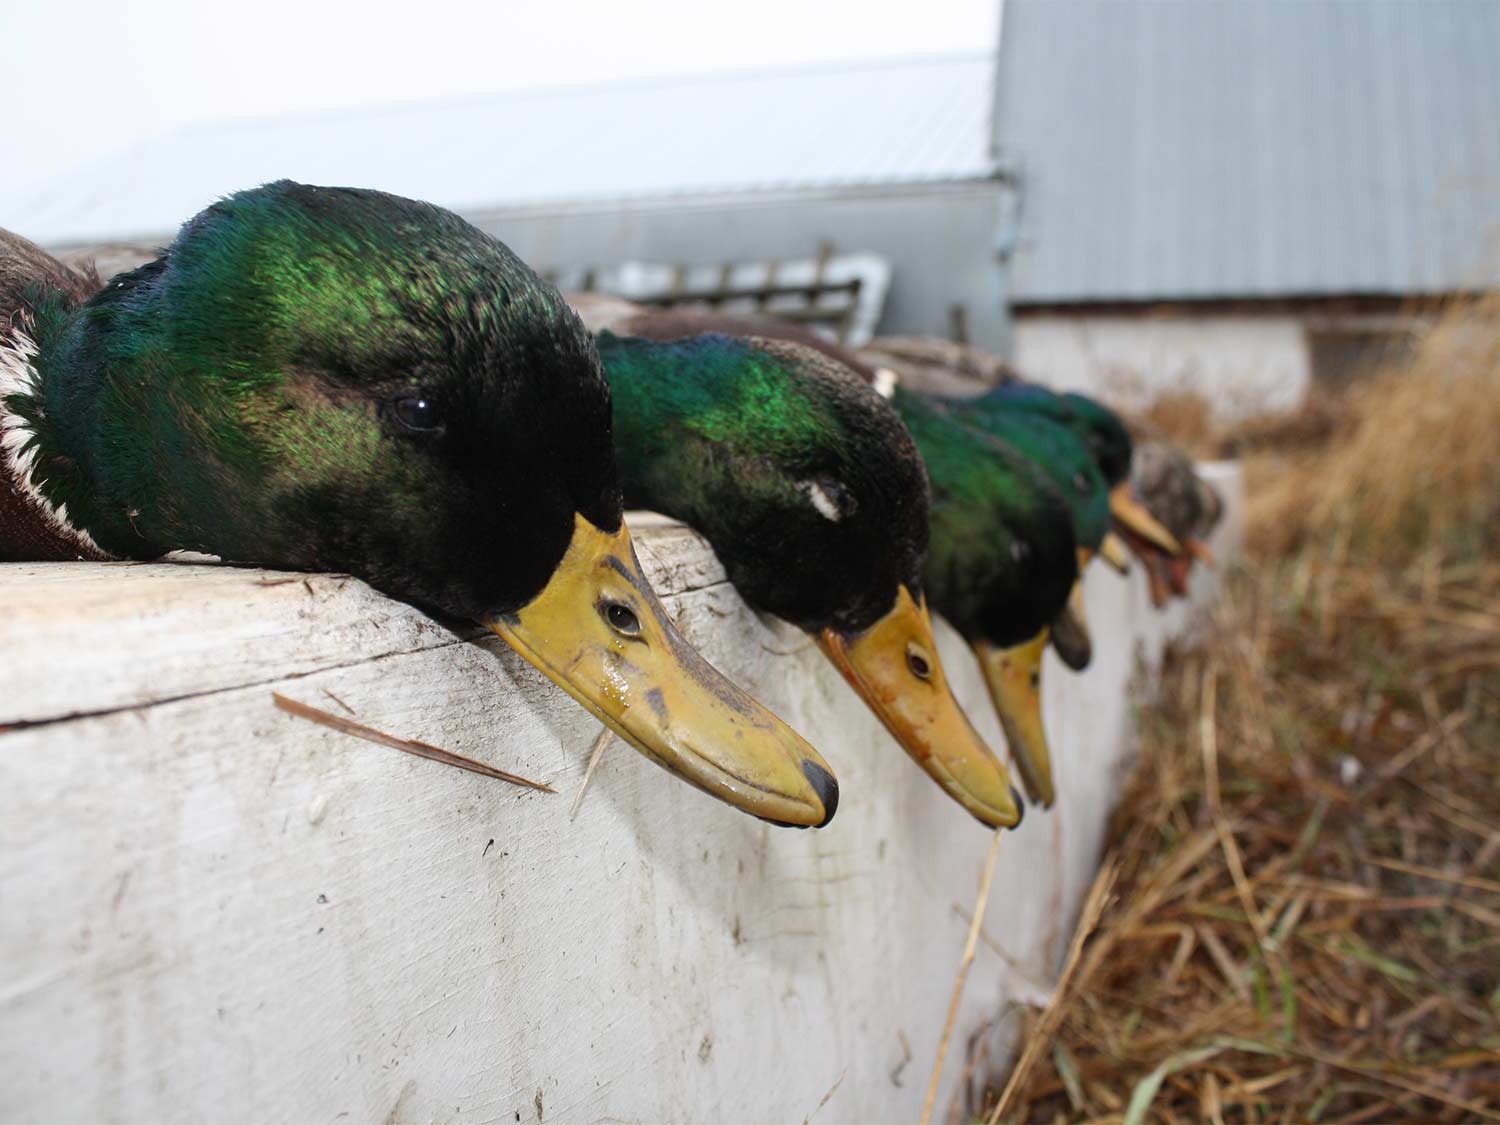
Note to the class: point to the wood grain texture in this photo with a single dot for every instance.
(212, 910)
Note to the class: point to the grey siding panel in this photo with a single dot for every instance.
(940, 242)
(1246, 148)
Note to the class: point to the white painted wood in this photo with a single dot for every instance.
(213, 911)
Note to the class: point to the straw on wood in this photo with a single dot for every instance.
(596, 752)
(408, 745)
(963, 974)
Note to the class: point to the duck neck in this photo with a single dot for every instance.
(55, 426)
(672, 402)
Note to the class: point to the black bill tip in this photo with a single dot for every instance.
(1015, 795)
(827, 789)
(825, 785)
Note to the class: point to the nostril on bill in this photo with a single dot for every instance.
(825, 786)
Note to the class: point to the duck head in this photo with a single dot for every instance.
(813, 495)
(1104, 435)
(1113, 449)
(1165, 480)
(1066, 461)
(336, 379)
(1000, 566)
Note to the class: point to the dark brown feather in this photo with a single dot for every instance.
(25, 532)
(613, 314)
(24, 264)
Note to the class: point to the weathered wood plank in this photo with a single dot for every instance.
(212, 910)
(210, 627)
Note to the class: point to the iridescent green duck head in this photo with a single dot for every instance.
(814, 496)
(336, 379)
(1002, 560)
(1104, 434)
(1068, 463)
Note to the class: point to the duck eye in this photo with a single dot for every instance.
(917, 661)
(417, 413)
(622, 619)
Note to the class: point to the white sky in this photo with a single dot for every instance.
(86, 78)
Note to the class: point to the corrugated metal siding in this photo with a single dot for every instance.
(1250, 148)
(911, 120)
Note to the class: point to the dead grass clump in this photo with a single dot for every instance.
(1302, 920)
(1185, 418)
(1422, 468)
(1188, 420)
(1415, 466)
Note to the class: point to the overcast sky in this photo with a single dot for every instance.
(86, 78)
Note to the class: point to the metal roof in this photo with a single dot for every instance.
(829, 126)
(1251, 148)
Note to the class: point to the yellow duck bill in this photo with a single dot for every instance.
(1069, 631)
(894, 667)
(1076, 603)
(1014, 676)
(1114, 551)
(1133, 516)
(599, 632)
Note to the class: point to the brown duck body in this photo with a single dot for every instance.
(30, 530)
(939, 367)
(603, 313)
(926, 365)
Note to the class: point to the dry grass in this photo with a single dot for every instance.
(1189, 421)
(1303, 921)
(1414, 470)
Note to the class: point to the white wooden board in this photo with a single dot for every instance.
(213, 911)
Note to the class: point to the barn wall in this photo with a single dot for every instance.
(941, 242)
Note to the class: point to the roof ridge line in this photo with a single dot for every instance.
(528, 93)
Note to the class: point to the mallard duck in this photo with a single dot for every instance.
(1187, 506)
(996, 523)
(1002, 561)
(1102, 432)
(336, 379)
(956, 374)
(1067, 464)
(948, 373)
(969, 374)
(813, 495)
